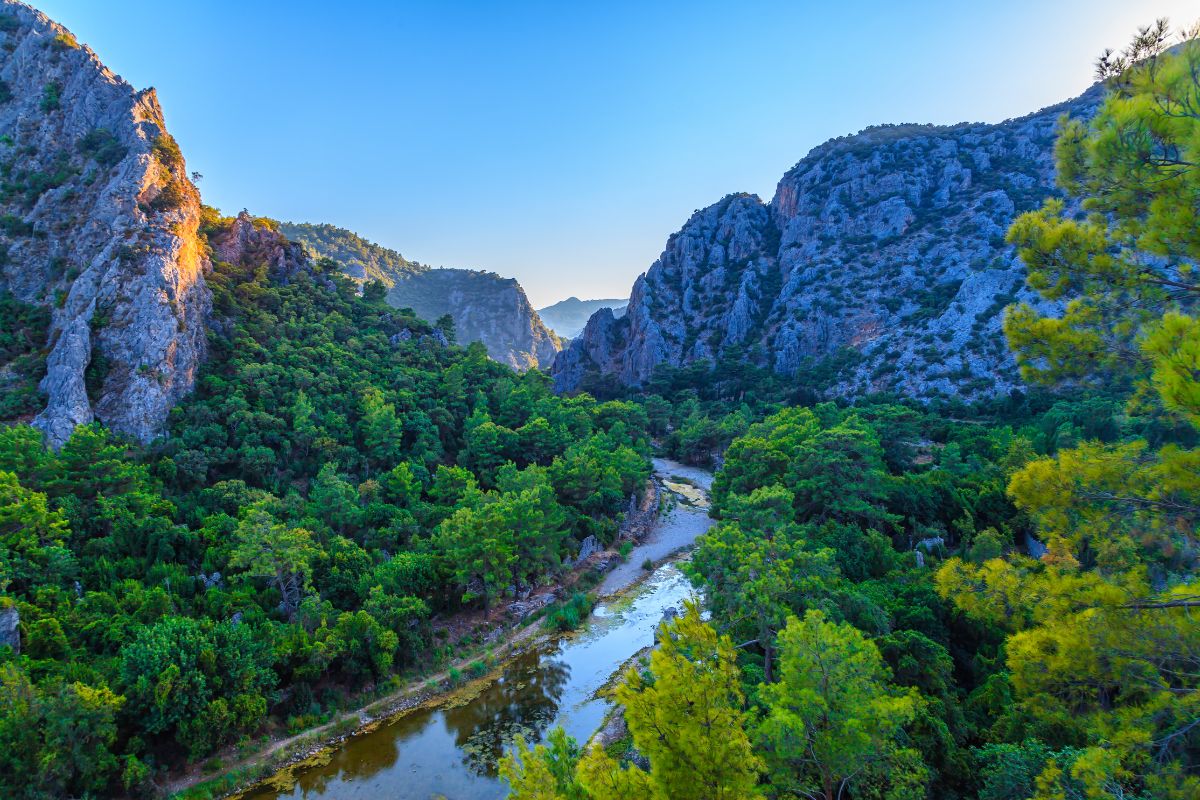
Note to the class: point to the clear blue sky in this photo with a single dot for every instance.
(562, 142)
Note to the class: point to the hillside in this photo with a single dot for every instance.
(484, 306)
(879, 265)
(567, 317)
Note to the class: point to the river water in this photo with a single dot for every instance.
(451, 751)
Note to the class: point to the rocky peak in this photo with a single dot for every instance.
(100, 223)
(251, 240)
(881, 260)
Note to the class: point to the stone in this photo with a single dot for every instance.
(588, 548)
(10, 628)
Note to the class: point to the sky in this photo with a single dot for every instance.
(561, 143)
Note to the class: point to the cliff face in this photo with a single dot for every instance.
(881, 256)
(484, 306)
(99, 221)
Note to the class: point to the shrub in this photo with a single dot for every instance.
(168, 152)
(51, 96)
(570, 614)
(65, 41)
(102, 146)
(648, 565)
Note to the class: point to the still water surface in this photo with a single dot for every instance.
(452, 752)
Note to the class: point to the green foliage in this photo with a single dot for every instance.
(51, 97)
(23, 331)
(361, 258)
(318, 499)
(101, 145)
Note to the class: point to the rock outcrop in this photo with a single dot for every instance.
(484, 306)
(254, 241)
(10, 629)
(879, 265)
(98, 220)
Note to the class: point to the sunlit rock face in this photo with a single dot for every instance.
(880, 263)
(100, 223)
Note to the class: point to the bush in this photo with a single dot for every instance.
(648, 565)
(569, 615)
(102, 146)
(51, 97)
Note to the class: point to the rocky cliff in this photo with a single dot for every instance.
(98, 221)
(879, 264)
(484, 306)
(568, 317)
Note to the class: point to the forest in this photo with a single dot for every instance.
(339, 477)
(897, 600)
(993, 602)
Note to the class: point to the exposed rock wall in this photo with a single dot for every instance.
(99, 221)
(882, 254)
(486, 308)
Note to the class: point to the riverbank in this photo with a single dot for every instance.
(274, 767)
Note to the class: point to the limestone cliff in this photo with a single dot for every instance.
(879, 264)
(484, 306)
(98, 220)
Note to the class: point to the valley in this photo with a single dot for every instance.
(886, 488)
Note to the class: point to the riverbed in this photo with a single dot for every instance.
(451, 751)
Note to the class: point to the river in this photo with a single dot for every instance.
(451, 751)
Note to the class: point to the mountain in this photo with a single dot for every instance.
(567, 317)
(485, 307)
(879, 265)
(98, 225)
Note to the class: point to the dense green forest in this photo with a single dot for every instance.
(897, 600)
(994, 603)
(338, 477)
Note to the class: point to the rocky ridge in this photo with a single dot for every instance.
(485, 307)
(880, 264)
(567, 318)
(99, 221)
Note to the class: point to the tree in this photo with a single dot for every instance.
(265, 548)
(832, 719)
(544, 772)
(382, 431)
(686, 717)
(31, 538)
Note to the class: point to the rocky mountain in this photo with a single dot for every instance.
(484, 306)
(567, 317)
(879, 265)
(98, 222)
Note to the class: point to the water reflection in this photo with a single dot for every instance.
(452, 752)
(524, 701)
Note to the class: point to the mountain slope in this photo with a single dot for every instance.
(880, 260)
(484, 306)
(568, 317)
(99, 222)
